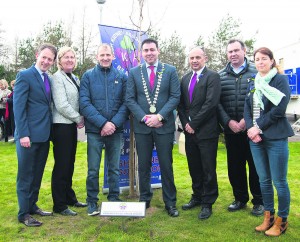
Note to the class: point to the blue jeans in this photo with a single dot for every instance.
(271, 162)
(112, 153)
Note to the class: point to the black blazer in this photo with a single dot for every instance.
(272, 120)
(201, 113)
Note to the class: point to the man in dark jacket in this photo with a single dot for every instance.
(152, 95)
(102, 98)
(234, 82)
(200, 92)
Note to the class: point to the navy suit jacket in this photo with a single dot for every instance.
(32, 108)
(167, 101)
(201, 113)
(272, 120)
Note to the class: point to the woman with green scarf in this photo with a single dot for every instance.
(268, 132)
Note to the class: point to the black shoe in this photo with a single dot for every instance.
(147, 204)
(205, 213)
(191, 204)
(80, 205)
(172, 211)
(258, 210)
(236, 205)
(68, 212)
(42, 213)
(30, 222)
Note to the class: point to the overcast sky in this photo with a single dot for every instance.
(276, 22)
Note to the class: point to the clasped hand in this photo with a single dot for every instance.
(237, 127)
(151, 120)
(80, 125)
(108, 129)
(253, 134)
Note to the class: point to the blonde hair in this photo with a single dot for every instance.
(12, 82)
(4, 83)
(62, 51)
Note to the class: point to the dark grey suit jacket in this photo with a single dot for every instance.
(32, 108)
(201, 113)
(168, 98)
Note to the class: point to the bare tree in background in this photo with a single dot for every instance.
(54, 33)
(4, 50)
(216, 47)
(172, 51)
(133, 159)
(85, 47)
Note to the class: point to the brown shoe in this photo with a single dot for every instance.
(267, 223)
(278, 228)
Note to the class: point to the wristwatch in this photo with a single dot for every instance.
(159, 117)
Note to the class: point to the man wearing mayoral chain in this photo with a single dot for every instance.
(153, 92)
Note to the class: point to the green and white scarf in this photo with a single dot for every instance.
(262, 87)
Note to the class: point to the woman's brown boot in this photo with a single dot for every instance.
(278, 228)
(267, 223)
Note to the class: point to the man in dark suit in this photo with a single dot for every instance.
(32, 109)
(200, 93)
(153, 92)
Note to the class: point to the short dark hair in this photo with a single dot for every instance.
(236, 40)
(49, 46)
(148, 41)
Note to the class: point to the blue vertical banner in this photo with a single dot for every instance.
(124, 43)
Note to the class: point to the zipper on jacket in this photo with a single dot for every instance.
(106, 94)
(236, 98)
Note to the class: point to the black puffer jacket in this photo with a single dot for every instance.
(234, 89)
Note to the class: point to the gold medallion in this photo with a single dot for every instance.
(152, 109)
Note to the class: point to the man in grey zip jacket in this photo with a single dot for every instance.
(102, 103)
(234, 83)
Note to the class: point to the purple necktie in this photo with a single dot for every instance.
(47, 84)
(152, 77)
(192, 85)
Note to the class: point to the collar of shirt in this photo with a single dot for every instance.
(239, 69)
(39, 71)
(198, 74)
(155, 67)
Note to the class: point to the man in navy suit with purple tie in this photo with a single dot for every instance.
(32, 109)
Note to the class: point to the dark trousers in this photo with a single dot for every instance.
(164, 147)
(64, 151)
(238, 154)
(6, 128)
(202, 161)
(31, 165)
(11, 120)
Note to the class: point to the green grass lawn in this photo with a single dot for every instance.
(157, 225)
